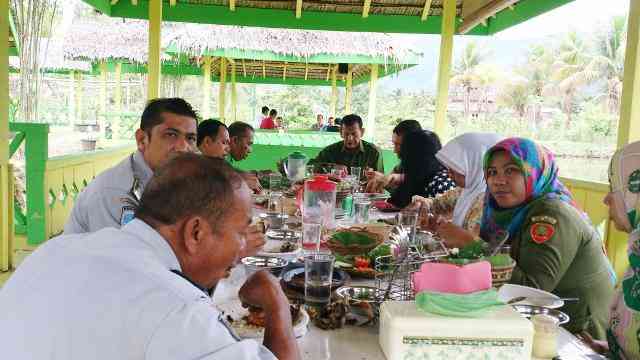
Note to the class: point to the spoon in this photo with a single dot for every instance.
(538, 298)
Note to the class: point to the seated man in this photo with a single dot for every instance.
(141, 292)
(241, 140)
(167, 126)
(352, 151)
(213, 139)
(377, 181)
(331, 126)
(319, 125)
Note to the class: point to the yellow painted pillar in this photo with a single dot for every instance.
(371, 117)
(222, 92)
(629, 125)
(348, 92)
(206, 87)
(234, 94)
(155, 24)
(72, 98)
(6, 221)
(334, 92)
(115, 126)
(103, 93)
(444, 67)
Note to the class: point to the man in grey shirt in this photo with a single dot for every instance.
(168, 126)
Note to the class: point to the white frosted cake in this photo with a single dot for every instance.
(408, 333)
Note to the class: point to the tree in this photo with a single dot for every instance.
(465, 72)
(517, 94)
(33, 20)
(571, 72)
(608, 60)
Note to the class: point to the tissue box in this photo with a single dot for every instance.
(453, 279)
(407, 333)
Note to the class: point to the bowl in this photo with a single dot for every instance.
(512, 291)
(359, 294)
(356, 246)
(274, 220)
(529, 310)
(273, 264)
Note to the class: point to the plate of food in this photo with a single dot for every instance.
(248, 323)
(293, 277)
(384, 206)
(363, 266)
(285, 249)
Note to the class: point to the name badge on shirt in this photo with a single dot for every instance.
(128, 214)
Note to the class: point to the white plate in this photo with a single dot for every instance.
(235, 310)
(272, 248)
(510, 291)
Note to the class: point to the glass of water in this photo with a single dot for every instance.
(311, 235)
(409, 219)
(357, 172)
(275, 181)
(318, 273)
(361, 209)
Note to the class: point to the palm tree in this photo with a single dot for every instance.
(465, 74)
(608, 60)
(571, 72)
(517, 94)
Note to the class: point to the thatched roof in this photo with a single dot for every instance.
(52, 60)
(108, 38)
(379, 7)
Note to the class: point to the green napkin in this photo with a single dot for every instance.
(459, 305)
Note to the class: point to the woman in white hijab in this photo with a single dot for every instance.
(463, 157)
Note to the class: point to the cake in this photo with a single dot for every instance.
(408, 333)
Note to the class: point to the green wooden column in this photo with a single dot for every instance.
(444, 67)
(6, 221)
(629, 125)
(155, 25)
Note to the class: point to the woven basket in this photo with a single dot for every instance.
(501, 275)
(338, 248)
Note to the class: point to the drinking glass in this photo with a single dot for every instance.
(318, 273)
(275, 181)
(356, 171)
(409, 219)
(275, 202)
(361, 209)
(311, 234)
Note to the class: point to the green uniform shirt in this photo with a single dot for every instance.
(368, 156)
(558, 251)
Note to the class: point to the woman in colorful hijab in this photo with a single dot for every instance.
(624, 209)
(553, 243)
(462, 156)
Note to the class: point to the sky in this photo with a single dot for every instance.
(508, 47)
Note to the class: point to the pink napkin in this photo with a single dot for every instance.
(453, 279)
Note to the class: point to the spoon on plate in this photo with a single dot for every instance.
(539, 299)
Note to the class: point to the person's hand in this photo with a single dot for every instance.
(394, 180)
(253, 182)
(262, 290)
(254, 241)
(599, 346)
(427, 221)
(453, 235)
(376, 182)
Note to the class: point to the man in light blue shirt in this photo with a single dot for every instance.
(168, 126)
(142, 292)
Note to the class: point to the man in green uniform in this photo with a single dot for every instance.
(558, 251)
(352, 150)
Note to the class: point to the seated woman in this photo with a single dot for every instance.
(462, 157)
(424, 175)
(552, 241)
(624, 210)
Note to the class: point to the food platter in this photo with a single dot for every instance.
(237, 317)
(284, 249)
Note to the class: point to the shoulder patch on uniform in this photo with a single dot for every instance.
(541, 232)
(544, 219)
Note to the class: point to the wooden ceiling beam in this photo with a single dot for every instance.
(489, 10)
(232, 5)
(425, 10)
